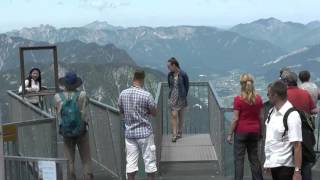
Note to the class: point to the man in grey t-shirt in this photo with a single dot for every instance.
(309, 86)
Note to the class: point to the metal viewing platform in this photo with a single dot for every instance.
(32, 142)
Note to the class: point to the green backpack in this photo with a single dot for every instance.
(71, 125)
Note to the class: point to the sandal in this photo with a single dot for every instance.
(179, 135)
(174, 139)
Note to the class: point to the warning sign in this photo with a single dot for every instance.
(9, 132)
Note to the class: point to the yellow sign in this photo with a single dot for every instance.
(9, 132)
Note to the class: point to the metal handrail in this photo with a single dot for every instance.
(222, 109)
(30, 163)
(318, 140)
(31, 122)
(158, 131)
(119, 164)
(105, 106)
(39, 117)
(35, 159)
(159, 99)
(13, 94)
(110, 111)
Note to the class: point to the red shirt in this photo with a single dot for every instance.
(249, 115)
(300, 99)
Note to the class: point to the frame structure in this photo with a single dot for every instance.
(55, 63)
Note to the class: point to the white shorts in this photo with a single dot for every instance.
(148, 151)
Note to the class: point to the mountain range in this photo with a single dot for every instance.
(106, 53)
(307, 58)
(102, 25)
(286, 35)
(68, 52)
(106, 70)
(201, 50)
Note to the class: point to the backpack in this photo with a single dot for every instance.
(71, 125)
(308, 138)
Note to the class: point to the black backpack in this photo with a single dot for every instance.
(308, 138)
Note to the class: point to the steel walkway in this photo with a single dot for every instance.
(201, 154)
(190, 148)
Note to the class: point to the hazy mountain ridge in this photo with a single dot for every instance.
(101, 25)
(198, 48)
(105, 69)
(9, 50)
(208, 52)
(287, 35)
(307, 58)
(68, 52)
(102, 82)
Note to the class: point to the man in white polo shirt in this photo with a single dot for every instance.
(283, 151)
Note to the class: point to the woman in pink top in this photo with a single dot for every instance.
(245, 128)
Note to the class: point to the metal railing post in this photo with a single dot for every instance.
(2, 172)
(122, 144)
(26, 167)
(318, 139)
(54, 138)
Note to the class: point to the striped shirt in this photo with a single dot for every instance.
(136, 105)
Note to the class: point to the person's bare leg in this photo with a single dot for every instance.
(84, 151)
(181, 121)
(131, 175)
(69, 153)
(174, 118)
(150, 176)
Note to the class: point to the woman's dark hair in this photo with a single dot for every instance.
(304, 76)
(174, 61)
(30, 77)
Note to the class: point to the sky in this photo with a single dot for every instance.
(16, 14)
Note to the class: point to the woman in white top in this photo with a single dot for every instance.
(33, 85)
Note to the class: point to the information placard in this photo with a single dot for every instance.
(47, 170)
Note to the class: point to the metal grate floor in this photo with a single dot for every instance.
(193, 147)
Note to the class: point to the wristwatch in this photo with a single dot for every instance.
(297, 170)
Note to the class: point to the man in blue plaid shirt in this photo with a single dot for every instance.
(138, 106)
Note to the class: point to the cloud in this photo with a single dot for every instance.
(60, 3)
(206, 2)
(103, 4)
